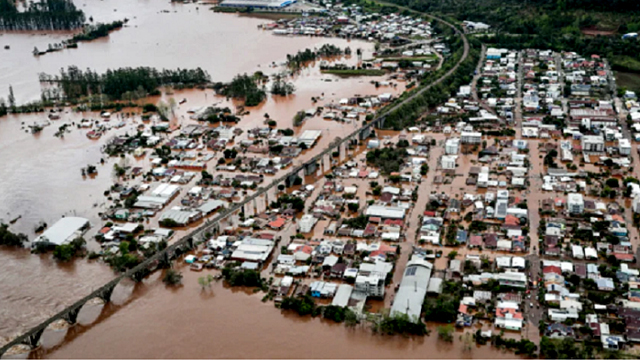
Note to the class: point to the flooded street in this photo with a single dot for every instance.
(40, 177)
(224, 323)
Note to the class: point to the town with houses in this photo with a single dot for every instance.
(511, 209)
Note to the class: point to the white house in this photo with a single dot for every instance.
(448, 162)
(592, 143)
(471, 137)
(624, 146)
(452, 146)
(575, 203)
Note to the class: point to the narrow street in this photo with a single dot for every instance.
(518, 100)
(413, 223)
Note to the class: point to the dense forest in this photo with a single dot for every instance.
(76, 83)
(41, 15)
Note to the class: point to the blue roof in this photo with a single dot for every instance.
(462, 236)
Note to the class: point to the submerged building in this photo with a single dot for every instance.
(413, 289)
(257, 4)
(62, 232)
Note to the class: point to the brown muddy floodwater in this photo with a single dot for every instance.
(159, 34)
(222, 323)
(40, 180)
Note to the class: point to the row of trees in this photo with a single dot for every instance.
(411, 111)
(76, 83)
(93, 32)
(41, 15)
(298, 60)
(242, 87)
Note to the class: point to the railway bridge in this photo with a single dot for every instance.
(164, 257)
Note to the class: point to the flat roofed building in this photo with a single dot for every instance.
(308, 137)
(471, 137)
(575, 203)
(385, 212)
(261, 4)
(252, 249)
(592, 143)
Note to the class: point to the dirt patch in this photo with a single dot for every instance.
(596, 32)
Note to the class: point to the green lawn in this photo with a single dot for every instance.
(630, 81)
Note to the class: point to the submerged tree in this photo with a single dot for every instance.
(41, 15)
(172, 277)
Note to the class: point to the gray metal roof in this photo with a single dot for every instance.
(413, 289)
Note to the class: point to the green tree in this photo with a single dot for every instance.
(445, 332)
(172, 277)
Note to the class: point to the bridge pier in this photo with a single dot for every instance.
(310, 168)
(139, 275)
(72, 316)
(256, 211)
(364, 133)
(290, 180)
(105, 295)
(34, 338)
(165, 262)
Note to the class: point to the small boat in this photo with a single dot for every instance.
(54, 115)
(183, 101)
(196, 267)
(106, 115)
(94, 135)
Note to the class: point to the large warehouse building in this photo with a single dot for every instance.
(62, 232)
(258, 4)
(413, 289)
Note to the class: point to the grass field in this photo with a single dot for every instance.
(630, 81)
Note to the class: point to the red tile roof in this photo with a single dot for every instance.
(277, 223)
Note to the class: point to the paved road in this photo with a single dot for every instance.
(413, 222)
(474, 82)
(518, 100)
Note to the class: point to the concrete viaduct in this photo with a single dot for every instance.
(163, 258)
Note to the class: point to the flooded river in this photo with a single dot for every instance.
(40, 180)
(222, 323)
